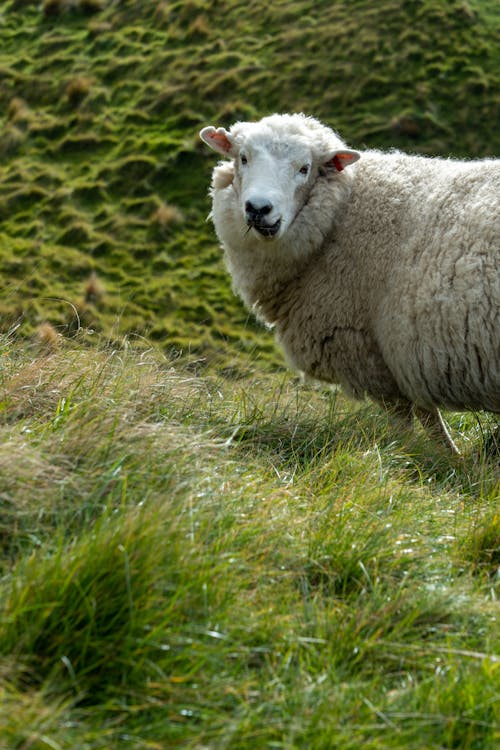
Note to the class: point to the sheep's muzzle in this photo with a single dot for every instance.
(266, 230)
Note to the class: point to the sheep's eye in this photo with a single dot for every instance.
(243, 159)
(304, 169)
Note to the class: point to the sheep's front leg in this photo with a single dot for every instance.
(434, 424)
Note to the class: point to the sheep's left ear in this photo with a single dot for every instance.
(342, 159)
(218, 139)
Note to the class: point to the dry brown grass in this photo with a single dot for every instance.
(94, 289)
(166, 216)
(18, 111)
(77, 89)
(47, 337)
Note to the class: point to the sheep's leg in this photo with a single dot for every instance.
(431, 420)
(434, 424)
(401, 413)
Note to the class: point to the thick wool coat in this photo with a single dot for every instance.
(387, 281)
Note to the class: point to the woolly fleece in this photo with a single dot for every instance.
(388, 279)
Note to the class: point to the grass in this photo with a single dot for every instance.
(197, 550)
(193, 562)
(102, 171)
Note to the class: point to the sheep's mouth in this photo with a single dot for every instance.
(266, 230)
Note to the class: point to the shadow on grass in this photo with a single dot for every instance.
(300, 434)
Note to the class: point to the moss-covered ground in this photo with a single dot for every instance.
(101, 170)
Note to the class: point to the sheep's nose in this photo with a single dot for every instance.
(256, 209)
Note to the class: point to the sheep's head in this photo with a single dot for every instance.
(276, 163)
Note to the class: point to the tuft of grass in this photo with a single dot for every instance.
(77, 89)
(94, 289)
(18, 111)
(82, 616)
(165, 216)
(11, 140)
(47, 337)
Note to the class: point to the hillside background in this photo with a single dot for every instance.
(103, 181)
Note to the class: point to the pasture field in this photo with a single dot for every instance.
(197, 550)
(194, 562)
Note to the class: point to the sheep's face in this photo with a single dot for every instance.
(272, 180)
(275, 170)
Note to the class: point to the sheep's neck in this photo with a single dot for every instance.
(265, 279)
(265, 272)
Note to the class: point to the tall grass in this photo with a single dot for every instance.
(190, 562)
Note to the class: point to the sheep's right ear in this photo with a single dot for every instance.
(342, 159)
(218, 139)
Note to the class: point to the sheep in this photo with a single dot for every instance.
(378, 271)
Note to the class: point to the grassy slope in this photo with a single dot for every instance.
(100, 119)
(207, 563)
(190, 564)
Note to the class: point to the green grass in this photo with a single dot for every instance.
(191, 562)
(197, 550)
(99, 118)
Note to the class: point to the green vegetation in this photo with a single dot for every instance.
(189, 563)
(196, 549)
(100, 163)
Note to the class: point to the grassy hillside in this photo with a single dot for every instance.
(196, 550)
(101, 171)
(186, 563)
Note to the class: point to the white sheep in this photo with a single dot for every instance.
(381, 275)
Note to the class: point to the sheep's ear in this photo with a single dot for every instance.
(342, 159)
(218, 139)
